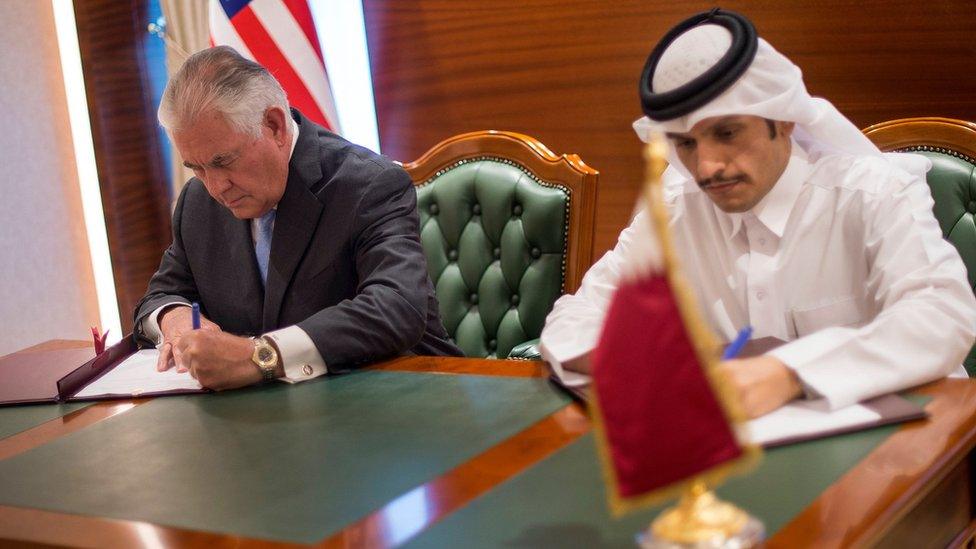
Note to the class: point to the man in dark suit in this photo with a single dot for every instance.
(288, 231)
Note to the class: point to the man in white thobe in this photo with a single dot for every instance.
(786, 218)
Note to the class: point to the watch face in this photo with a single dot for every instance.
(265, 354)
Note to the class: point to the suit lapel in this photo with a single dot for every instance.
(240, 247)
(298, 216)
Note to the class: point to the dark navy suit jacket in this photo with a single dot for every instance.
(346, 262)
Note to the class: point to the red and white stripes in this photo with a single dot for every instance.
(280, 35)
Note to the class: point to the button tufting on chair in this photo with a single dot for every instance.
(951, 180)
(491, 205)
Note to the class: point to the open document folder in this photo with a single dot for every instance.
(799, 420)
(121, 371)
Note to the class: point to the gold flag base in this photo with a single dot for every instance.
(701, 520)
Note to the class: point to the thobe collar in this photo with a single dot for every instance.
(774, 209)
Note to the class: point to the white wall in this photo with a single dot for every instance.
(47, 289)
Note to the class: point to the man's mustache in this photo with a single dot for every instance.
(720, 180)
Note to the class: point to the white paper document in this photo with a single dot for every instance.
(804, 418)
(137, 375)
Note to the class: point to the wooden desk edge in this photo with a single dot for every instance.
(953, 409)
(453, 489)
(464, 366)
(865, 503)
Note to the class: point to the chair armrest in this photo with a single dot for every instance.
(528, 350)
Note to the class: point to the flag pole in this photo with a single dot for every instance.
(699, 515)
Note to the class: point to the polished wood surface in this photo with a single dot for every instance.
(20, 526)
(449, 492)
(470, 366)
(386, 527)
(874, 497)
(54, 345)
(566, 72)
(442, 495)
(567, 170)
(966, 539)
(131, 169)
(938, 518)
(914, 488)
(948, 133)
(59, 427)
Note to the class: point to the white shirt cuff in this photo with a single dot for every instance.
(150, 324)
(801, 356)
(567, 377)
(299, 356)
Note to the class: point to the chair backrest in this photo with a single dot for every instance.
(507, 227)
(951, 146)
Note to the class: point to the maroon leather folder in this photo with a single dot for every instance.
(31, 377)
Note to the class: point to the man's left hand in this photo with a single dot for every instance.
(763, 383)
(219, 360)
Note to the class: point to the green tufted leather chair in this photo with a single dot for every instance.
(507, 227)
(951, 146)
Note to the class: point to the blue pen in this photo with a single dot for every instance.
(737, 344)
(196, 315)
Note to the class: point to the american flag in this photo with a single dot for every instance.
(280, 35)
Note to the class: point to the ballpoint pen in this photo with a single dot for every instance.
(737, 344)
(196, 315)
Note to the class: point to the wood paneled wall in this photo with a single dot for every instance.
(130, 165)
(565, 71)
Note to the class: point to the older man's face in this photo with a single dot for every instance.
(736, 160)
(246, 175)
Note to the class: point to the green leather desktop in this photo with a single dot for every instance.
(290, 463)
(499, 519)
(18, 419)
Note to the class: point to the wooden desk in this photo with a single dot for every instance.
(914, 490)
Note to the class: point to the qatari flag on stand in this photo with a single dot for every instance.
(661, 420)
(280, 35)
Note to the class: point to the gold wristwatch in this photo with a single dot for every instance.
(265, 357)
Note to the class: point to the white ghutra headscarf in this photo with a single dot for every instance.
(772, 88)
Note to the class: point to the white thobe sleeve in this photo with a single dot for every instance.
(573, 326)
(927, 319)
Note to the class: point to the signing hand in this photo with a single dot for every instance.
(579, 364)
(174, 323)
(219, 360)
(763, 383)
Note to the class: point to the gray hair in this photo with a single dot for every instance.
(220, 79)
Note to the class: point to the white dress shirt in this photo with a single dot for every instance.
(843, 259)
(300, 358)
